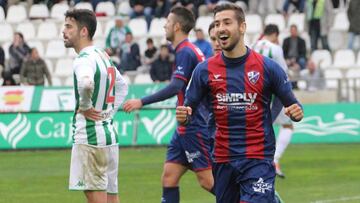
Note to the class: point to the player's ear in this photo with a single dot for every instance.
(84, 32)
(242, 28)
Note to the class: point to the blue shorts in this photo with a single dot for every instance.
(190, 150)
(248, 180)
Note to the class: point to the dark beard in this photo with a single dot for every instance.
(230, 47)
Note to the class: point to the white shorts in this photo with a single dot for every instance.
(282, 118)
(94, 168)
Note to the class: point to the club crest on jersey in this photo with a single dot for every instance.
(253, 76)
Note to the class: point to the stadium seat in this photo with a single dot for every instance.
(6, 46)
(58, 11)
(64, 67)
(344, 58)
(6, 32)
(157, 27)
(50, 66)
(69, 82)
(38, 45)
(84, 5)
(297, 19)
(16, 14)
(56, 81)
(27, 29)
(100, 43)
(277, 19)
(55, 49)
(124, 8)
(332, 77)
(38, 11)
(71, 53)
(106, 7)
(109, 24)
(353, 73)
(322, 58)
(99, 30)
(143, 79)
(2, 14)
(138, 27)
(203, 23)
(47, 30)
(254, 24)
(341, 22)
(358, 60)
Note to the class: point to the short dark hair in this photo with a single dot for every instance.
(84, 18)
(239, 13)
(185, 18)
(211, 26)
(271, 29)
(149, 40)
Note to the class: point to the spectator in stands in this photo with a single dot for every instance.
(161, 69)
(295, 50)
(142, 7)
(190, 4)
(262, 7)
(299, 6)
(313, 76)
(34, 69)
(202, 43)
(3, 4)
(94, 3)
(150, 52)
(162, 8)
(2, 57)
(354, 21)
(320, 15)
(116, 36)
(8, 79)
(18, 51)
(129, 54)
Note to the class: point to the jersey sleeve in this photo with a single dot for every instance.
(184, 61)
(197, 88)
(280, 83)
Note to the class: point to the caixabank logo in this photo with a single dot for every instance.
(16, 130)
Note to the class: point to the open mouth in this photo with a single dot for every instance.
(223, 37)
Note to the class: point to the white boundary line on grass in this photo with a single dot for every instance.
(342, 199)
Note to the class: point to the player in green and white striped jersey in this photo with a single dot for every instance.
(268, 46)
(99, 91)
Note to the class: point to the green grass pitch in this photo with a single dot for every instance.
(315, 173)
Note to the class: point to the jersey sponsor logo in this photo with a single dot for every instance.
(253, 76)
(191, 156)
(15, 131)
(236, 101)
(261, 186)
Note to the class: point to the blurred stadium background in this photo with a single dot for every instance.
(321, 166)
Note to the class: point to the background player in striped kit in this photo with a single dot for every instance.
(268, 46)
(239, 84)
(189, 146)
(99, 91)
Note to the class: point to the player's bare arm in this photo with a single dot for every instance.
(132, 104)
(182, 113)
(295, 112)
(91, 114)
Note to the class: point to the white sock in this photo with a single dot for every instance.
(282, 142)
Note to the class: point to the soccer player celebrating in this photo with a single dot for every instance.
(239, 83)
(189, 146)
(99, 91)
(268, 46)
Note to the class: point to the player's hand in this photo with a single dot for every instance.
(132, 104)
(295, 112)
(92, 114)
(182, 114)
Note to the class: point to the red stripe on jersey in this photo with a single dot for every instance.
(255, 135)
(199, 55)
(218, 85)
(203, 149)
(182, 78)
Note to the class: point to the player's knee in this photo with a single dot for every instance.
(169, 179)
(206, 182)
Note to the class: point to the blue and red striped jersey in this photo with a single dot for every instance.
(239, 93)
(187, 57)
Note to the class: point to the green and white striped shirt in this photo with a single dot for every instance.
(271, 50)
(109, 92)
